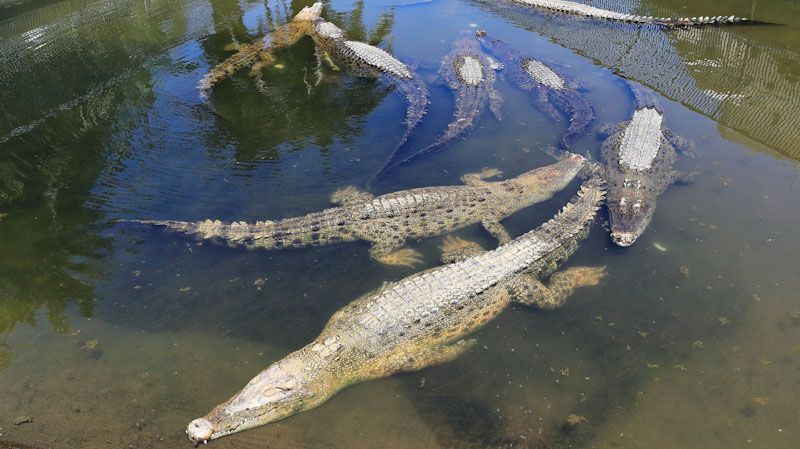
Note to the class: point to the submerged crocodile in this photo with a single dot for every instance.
(468, 72)
(638, 157)
(368, 61)
(548, 89)
(415, 323)
(361, 59)
(389, 220)
(599, 13)
(261, 53)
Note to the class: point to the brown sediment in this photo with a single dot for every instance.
(4, 444)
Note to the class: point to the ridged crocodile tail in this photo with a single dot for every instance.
(572, 222)
(309, 230)
(581, 116)
(415, 92)
(581, 9)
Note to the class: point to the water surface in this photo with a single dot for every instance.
(117, 335)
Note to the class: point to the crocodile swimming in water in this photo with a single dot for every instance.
(581, 9)
(638, 157)
(417, 322)
(468, 72)
(389, 220)
(362, 59)
(549, 90)
(368, 61)
(262, 52)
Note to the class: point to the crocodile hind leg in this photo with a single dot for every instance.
(681, 143)
(479, 178)
(456, 249)
(421, 358)
(498, 231)
(387, 251)
(350, 195)
(265, 59)
(529, 290)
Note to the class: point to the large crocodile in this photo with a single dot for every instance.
(638, 157)
(549, 89)
(369, 61)
(361, 59)
(468, 72)
(415, 323)
(389, 220)
(581, 9)
(262, 52)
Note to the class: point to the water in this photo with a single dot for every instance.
(117, 335)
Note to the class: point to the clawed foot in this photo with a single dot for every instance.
(455, 249)
(477, 178)
(232, 46)
(404, 258)
(349, 195)
(587, 276)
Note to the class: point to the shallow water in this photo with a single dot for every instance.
(117, 335)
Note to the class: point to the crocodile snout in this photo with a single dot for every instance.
(623, 238)
(200, 430)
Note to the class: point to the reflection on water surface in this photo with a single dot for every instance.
(115, 335)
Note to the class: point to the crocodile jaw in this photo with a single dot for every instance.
(287, 387)
(629, 221)
(309, 13)
(553, 178)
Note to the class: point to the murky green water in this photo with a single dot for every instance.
(117, 335)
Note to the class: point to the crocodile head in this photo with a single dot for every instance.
(629, 218)
(545, 181)
(289, 386)
(309, 13)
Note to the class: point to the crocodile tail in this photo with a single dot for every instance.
(233, 234)
(416, 94)
(573, 221)
(244, 57)
(569, 7)
(581, 116)
(697, 21)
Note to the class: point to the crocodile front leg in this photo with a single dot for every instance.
(387, 251)
(479, 178)
(350, 195)
(681, 143)
(422, 358)
(456, 249)
(527, 289)
(498, 231)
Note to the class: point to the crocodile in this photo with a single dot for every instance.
(368, 61)
(638, 157)
(549, 89)
(261, 53)
(420, 321)
(581, 9)
(389, 220)
(470, 74)
(362, 59)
